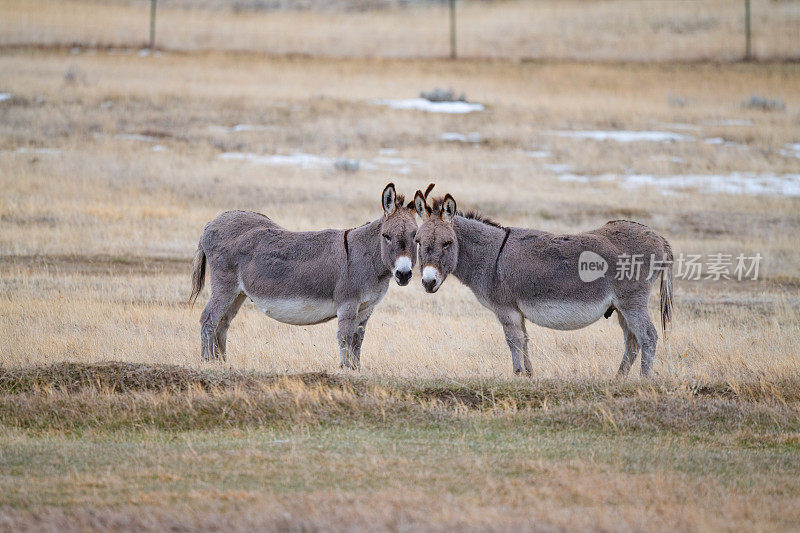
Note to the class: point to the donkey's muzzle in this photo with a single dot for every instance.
(430, 285)
(403, 277)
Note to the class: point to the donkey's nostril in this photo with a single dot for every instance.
(429, 284)
(403, 276)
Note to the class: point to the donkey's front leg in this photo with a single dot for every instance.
(514, 327)
(348, 335)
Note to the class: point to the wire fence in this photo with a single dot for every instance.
(638, 30)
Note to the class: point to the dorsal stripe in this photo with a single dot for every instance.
(503, 245)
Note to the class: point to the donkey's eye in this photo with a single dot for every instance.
(387, 239)
(447, 245)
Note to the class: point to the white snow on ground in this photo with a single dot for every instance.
(5, 96)
(159, 148)
(557, 168)
(240, 128)
(792, 150)
(730, 122)
(471, 137)
(38, 151)
(734, 183)
(310, 161)
(681, 126)
(388, 151)
(623, 136)
(422, 104)
(298, 159)
(715, 140)
(538, 154)
(134, 137)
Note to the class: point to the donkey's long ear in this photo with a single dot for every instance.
(421, 206)
(428, 190)
(388, 200)
(448, 208)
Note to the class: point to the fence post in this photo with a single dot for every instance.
(452, 29)
(748, 54)
(152, 24)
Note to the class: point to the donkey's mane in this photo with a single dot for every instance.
(480, 217)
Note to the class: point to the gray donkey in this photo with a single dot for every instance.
(305, 277)
(556, 281)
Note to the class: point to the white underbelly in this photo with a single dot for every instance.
(297, 311)
(563, 315)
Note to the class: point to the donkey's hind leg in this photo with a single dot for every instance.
(222, 296)
(221, 335)
(631, 347)
(638, 321)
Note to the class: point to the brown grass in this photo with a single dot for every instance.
(637, 30)
(96, 241)
(146, 447)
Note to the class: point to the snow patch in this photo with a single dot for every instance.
(422, 104)
(471, 137)
(537, 154)
(5, 96)
(557, 168)
(741, 183)
(159, 148)
(135, 137)
(730, 122)
(792, 150)
(38, 151)
(238, 128)
(624, 136)
(311, 161)
(298, 159)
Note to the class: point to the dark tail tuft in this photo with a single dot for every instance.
(666, 289)
(198, 274)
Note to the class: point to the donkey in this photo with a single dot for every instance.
(555, 281)
(305, 277)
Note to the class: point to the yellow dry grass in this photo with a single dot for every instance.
(104, 206)
(606, 30)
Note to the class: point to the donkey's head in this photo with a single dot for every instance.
(438, 246)
(398, 249)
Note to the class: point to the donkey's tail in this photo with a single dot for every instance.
(666, 287)
(199, 274)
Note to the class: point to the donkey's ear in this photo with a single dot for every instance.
(448, 208)
(421, 206)
(388, 200)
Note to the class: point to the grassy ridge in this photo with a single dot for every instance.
(148, 447)
(113, 396)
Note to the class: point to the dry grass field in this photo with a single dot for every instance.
(634, 30)
(111, 163)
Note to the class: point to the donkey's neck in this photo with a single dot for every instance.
(364, 250)
(478, 247)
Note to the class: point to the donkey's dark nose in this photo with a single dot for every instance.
(403, 277)
(429, 284)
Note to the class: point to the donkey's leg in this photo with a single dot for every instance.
(638, 320)
(514, 328)
(362, 319)
(222, 296)
(221, 335)
(347, 314)
(631, 347)
(525, 359)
